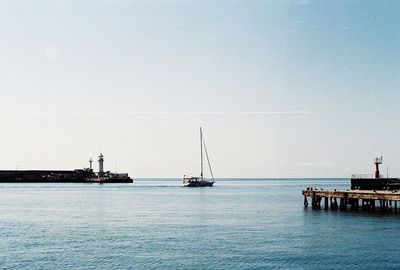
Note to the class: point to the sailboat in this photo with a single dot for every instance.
(200, 181)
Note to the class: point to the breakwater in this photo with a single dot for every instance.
(61, 176)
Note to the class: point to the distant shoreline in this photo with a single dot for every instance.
(244, 179)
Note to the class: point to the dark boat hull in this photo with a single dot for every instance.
(375, 183)
(198, 184)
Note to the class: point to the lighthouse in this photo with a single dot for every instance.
(101, 164)
(377, 162)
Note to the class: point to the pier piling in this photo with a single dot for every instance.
(305, 201)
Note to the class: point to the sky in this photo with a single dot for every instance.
(281, 88)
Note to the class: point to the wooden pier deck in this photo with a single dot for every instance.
(354, 199)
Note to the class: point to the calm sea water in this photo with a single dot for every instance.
(157, 224)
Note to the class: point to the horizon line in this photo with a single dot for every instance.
(155, 113)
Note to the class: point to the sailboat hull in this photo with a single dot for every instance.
(203, 183)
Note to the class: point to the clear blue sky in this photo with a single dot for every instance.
(282, 88)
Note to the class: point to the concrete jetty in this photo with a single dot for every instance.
(85, 175)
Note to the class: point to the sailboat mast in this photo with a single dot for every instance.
(201, 153)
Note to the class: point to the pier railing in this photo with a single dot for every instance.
(364, 176)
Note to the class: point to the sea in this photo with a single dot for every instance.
(158, 224)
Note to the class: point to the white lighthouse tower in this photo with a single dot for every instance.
(90, 164)
(101, 164)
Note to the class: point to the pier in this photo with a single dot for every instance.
(369, 200)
